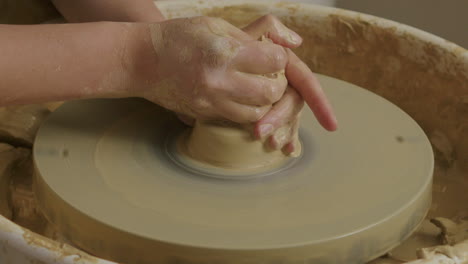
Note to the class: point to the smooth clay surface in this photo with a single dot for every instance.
(138, 195)
(227, 150)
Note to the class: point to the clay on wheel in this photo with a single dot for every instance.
(229, 146)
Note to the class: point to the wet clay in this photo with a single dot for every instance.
(229, 146)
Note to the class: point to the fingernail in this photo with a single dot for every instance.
(265, 129)
(292, 150)
(294, 38)
(294, 153)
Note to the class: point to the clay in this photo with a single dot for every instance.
(456, 254)
(427, 235)
(439, 240)
(19, 124)
(25, 211)
(123, 156)
(9, 158)
(452, 232)
(455, 250)
(64, 250)
(230, 146)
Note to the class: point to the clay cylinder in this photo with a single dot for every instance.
(230, 146)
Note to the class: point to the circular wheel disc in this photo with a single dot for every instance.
(107, 178)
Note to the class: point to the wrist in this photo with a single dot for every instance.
(140, 61)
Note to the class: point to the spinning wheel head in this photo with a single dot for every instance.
(351, 195)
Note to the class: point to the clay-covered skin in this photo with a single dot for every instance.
(235, 77)
(206, 70)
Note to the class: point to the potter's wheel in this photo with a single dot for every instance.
(110, 179)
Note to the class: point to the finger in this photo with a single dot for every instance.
(284, 138)
(282, 113)
(293, 147)
(272, 28)
(260, 58)
(255, 90)
(304, 81)
(240, 113)
(280, 137)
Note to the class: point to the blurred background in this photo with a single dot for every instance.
(445, 18)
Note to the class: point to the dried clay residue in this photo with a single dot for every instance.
(18, 126)
(62, 249)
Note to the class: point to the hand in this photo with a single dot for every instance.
(280, 125)
(209, 69)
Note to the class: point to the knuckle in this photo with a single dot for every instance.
(201, 104)
(215, 24)
(208, 82)
(214, 20)
(205, 20)
(278, 58)
(277, 94)
(275, 91)
(257, 114)
(271, 19)
(268, 94)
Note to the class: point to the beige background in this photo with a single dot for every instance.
(445, 18)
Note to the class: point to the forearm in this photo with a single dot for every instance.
(109, 10)
(42, 63)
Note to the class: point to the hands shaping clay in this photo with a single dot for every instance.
(227, 145)
(232, 147)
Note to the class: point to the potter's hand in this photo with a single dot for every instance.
(281, 123)
(209, 69)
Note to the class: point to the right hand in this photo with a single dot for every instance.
(209, 69)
